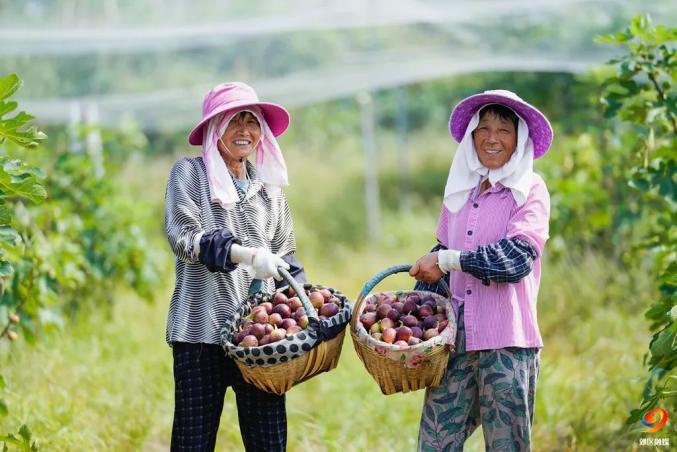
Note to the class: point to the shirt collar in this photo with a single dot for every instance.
(492, 189)
(255, 182)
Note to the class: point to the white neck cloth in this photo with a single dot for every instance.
(270, 165)
(467, 171)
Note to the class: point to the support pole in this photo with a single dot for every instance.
(371, 190)
(402, 149)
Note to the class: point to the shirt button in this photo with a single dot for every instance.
(469, 232)
(475, 205)
(468, 291)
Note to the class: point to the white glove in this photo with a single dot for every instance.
(260, 262)
(449, 260)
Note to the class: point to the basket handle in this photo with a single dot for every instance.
(373, 282)
(257, 284)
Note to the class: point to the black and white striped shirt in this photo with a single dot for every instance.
(202, 300)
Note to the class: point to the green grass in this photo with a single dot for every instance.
(105, 383)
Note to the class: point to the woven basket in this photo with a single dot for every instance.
(324, 336)
(392, 375)
(280, 378)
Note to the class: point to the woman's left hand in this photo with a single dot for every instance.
(426, 269)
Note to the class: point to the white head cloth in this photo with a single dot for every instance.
(467, 171)
(270, 166)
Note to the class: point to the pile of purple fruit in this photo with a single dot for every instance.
(403, 318)
(272, 321)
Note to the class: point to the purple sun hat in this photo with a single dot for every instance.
(539, 126)
(232, 95)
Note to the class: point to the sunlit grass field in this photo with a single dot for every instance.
(105, 381)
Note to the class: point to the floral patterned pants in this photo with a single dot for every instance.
(492, 387)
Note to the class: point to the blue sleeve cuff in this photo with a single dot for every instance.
(295, 269)
(215, 250)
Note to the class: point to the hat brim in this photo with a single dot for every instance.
(275, 115)
(540, 130)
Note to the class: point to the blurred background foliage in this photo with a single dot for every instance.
(117, 101)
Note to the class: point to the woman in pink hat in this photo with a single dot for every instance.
(227, 222)
(491, 233)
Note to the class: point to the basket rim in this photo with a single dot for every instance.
(232, 349)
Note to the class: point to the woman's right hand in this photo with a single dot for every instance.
(259, 261)
(426, 269)
(265, 265)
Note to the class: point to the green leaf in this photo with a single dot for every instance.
(663, 345)
(3, 383)
(25, 186)
(507, 362)
(501, 443)
(451, 429)
(5, 214)
(9, 236)
(504, 386)
(616, 88)
(504, 417)
(491, 415)
(658, 312)
(617, 38)
(29, 138)
(635, 416)
(461, 374)
(3, 408)
(9, 85)
(7, 106)
(640, 183)
(450, 414)
(488, 359)
(25, 432)
(485, 401)
(493, 377)
(517, 390)
(6, 269)
(428, 447)
(514, 408)
(21, 118)
(430, 413)
(445, 400)
(520, 354)
(429, 429)
(10, 438)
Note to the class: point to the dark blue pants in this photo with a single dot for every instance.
(202, 373)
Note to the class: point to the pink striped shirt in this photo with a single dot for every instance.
(501, 314)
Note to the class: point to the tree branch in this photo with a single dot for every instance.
(661, 96)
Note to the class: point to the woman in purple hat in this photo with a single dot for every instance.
(491, 233)
(227, 222)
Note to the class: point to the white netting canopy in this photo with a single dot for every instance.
(153, 60)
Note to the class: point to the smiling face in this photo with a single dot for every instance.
(495, 138)
(240, 137)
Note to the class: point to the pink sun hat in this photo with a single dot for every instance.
(539, 126)
(232, 95)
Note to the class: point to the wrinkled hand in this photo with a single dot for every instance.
(425, 269)
(265, 265)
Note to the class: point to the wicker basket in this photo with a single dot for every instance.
(392, 374)
(280, 378)
(324, 336)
